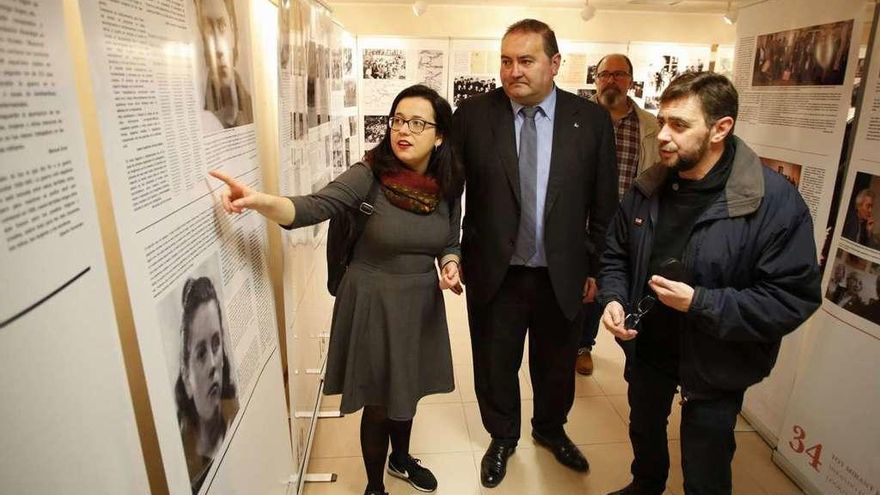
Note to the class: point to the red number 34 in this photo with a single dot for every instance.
(797, 445)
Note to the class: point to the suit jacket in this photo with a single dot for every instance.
(582, 186)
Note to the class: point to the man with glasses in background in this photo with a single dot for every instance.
(726, 246)
(635, 134)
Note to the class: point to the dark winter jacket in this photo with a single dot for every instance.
(752, 259)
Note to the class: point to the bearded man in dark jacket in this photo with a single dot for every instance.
(725, 247)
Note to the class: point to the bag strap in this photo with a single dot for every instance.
(365, 209)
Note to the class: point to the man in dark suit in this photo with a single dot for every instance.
(540, 165)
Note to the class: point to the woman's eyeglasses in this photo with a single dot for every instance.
(643, 307)
(416, 126)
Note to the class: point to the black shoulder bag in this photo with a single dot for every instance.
(342, 236)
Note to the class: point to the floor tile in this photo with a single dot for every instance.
(439, 428)
(448, 435)
(593, 420)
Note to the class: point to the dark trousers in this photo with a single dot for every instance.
(707, 439)
(524, 305)
(591, 313)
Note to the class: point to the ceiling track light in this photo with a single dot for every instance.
(731, 14)
(588, 11)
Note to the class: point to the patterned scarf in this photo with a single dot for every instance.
(411, 191)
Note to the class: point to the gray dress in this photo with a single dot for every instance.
(389, 343)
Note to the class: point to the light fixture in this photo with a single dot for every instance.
(731, 14)
(588, 11)
(419, 7)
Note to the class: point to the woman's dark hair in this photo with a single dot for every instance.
(443, 164)
(196, 292)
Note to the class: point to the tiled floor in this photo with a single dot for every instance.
(449, 438)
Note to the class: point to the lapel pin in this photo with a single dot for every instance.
(576, 125)
(638, 221)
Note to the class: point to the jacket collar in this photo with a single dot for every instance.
(743, 192)
(648, 126)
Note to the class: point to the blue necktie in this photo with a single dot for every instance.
(528, 187)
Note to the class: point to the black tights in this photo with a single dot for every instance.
(376, 428)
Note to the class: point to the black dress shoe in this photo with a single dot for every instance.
(493, 467)
(565, 452)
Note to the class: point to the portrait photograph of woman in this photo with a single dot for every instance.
(200, 367)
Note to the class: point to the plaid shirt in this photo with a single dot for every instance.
(626, 137)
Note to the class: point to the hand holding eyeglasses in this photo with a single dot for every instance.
(614, 320)
(676, 295)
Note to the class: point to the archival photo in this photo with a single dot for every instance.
(466, 86)
(859, 224)
(381, 63)
(586, 93)
(808, 56)
(225, 65)
(350, 95)
(374, 128)
(201, 366)
(791, 171)
(855, 286)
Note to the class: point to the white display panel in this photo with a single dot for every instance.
(829, 436)
(67, 416)
(795, 80)
(577, 70)
(389, 65)
(175, 85)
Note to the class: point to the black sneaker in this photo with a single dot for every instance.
(410, 470)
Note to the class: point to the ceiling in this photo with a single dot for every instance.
(671, 6)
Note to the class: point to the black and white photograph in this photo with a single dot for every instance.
(591, 74)
(466, 86)
(586, 93)
(336, 68)
(352, 125)
(348, 157)
(382, 63)
(297, 125)
(855, 285)
(808, 56)
(347, 62)
(791, 171)
(284, 35)
(374, 128)
(200, 365)
(338, 148)
(859, 224)
(350, 96)
(312, 85)
(668, 71)
(225, 64)
(638, 89)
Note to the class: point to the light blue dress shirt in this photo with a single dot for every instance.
(544, 126)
